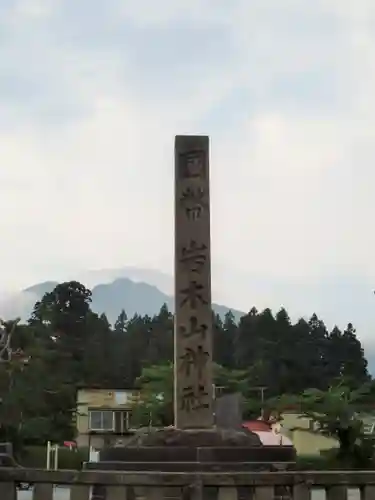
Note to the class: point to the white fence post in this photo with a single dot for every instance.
(48, 464)
(56, 457)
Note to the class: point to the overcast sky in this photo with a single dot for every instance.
(93, 92)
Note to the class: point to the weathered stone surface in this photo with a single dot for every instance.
(184, 455)
(283, 463)
(193, 315)
(196, 438)
(228, 411)
(194, 444)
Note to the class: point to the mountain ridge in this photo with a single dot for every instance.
(135, 297)
(336, 301)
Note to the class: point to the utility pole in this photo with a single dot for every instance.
(262, 389)
(215, 389)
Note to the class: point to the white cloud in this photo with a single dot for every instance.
(90, 105)
(31, 9)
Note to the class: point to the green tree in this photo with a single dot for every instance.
(156, 391)
(65, 311)
(318, 348)
(281, 355)
(66, 345)
(336, 413)
(61, 323)
(121, 322)
(21, 385)
(346, 357)
(246, 340)
(335, 367)
(354, 363)
(97, 369)
(155, 406)
(264, 351)
(224, 335)
(160, 338)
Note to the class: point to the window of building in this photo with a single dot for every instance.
(101, 420)
(313, 425)
(122, 421)
(121, 397)
(368, 428)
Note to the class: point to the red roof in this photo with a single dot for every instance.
(70, 443)
(256, 425)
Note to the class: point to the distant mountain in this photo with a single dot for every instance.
(163, 281)
(110, 298)
(140, 298)
(124, 293)
(41, 288)
(336, 299)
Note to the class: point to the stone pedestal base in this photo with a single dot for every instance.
(173, 450)
(206, 450)
(196, 438)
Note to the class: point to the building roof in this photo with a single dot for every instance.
(257, 425)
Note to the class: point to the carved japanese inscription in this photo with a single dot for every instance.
(194, 398)
(192, 164)
(194, 202)
(193, 295)
(194, 328)
(193, 256)
(194, 360)
(193, 317)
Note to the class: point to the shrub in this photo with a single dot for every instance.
(36, 457)
(312, 462)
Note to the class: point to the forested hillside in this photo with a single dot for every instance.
(121, 293)
(65, 345)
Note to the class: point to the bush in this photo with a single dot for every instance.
(36, 457)
(361, 459)
(312, 462)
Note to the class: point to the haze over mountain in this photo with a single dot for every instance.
(116, 292)
(283, 89)
(337, 301)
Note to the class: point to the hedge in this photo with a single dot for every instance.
(312, 462)
(36, 457)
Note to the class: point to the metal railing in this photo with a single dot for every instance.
(187, 486)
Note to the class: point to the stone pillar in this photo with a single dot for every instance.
(193, 396)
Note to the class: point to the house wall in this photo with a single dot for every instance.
(99, 399)
(98, 441)
(305, 441)
(292, 420)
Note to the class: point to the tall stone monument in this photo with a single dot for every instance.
(194, 444)
(193, 317)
